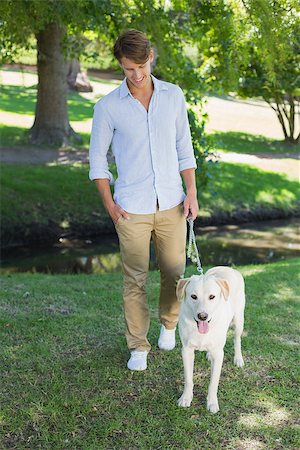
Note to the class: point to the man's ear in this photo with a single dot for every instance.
(180, 289)
(224, 287)
(151, 56)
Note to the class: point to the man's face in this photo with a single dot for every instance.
(138, 75)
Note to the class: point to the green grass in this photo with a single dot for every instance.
(65, 382)
(62, 196)
(240, 142)
(243, 187)
(13, 136)
(17, 138)
(22, 100)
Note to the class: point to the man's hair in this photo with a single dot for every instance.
(134, 45)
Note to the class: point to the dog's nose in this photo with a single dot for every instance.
(202, 316)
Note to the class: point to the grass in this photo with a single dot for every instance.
(21, 100)
(65, 385)
(47, 196)
(16, 137)
(240, 142)
(243, 187)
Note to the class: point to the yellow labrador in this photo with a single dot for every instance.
(209, 303)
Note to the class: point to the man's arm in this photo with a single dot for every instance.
(190, 204)
(101, 137)
(186, 158)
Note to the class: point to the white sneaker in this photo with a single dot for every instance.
(166, 340)
(138, 360)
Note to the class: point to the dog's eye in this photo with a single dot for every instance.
(194, 296)
(211, 297)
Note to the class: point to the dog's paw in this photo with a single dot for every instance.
(213, 407)
(238, 361)
(208, 356)
(185, 401)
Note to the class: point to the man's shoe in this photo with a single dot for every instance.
(138, 360)
(166, 339)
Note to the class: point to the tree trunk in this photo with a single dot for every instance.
(286, 114)
(51, 125)
(77, 79)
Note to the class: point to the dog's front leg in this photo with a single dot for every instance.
(216, 366)
(188, 356)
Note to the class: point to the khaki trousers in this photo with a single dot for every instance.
(168, 232)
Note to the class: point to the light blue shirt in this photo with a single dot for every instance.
(150, 148)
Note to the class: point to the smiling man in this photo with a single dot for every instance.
(145, 121)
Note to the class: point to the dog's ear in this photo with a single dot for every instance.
(224, 287)
(180, 288)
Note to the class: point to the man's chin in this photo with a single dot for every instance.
(141, 84)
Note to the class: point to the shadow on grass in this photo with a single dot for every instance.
(239, 142)
(22, 100)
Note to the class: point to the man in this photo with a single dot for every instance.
(145, 121)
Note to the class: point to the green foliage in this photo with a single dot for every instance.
(201, 144)
(251, 47)
(21, 19)
(273, 69)
(215, 27)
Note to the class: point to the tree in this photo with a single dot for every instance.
(52, 23)
(58, 25)
(250, 47)
(273, 70)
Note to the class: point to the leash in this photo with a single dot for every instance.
(192, 241)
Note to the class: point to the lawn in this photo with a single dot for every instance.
(65, 384)
(239, 142)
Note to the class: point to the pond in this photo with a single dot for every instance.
(250, 243)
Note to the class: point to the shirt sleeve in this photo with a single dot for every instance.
(101, 137)
(184, 147)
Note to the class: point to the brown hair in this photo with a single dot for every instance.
(134, 45)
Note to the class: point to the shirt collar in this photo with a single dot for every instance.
(158, 86)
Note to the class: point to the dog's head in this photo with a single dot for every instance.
(203, 295)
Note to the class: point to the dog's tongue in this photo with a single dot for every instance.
(202, 327)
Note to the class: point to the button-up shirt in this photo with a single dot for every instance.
(150, 148)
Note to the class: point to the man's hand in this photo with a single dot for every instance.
(190, 206)
(115, 211)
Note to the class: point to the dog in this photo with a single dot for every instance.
(209, 304)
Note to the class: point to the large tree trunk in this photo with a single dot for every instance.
(51, 124)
